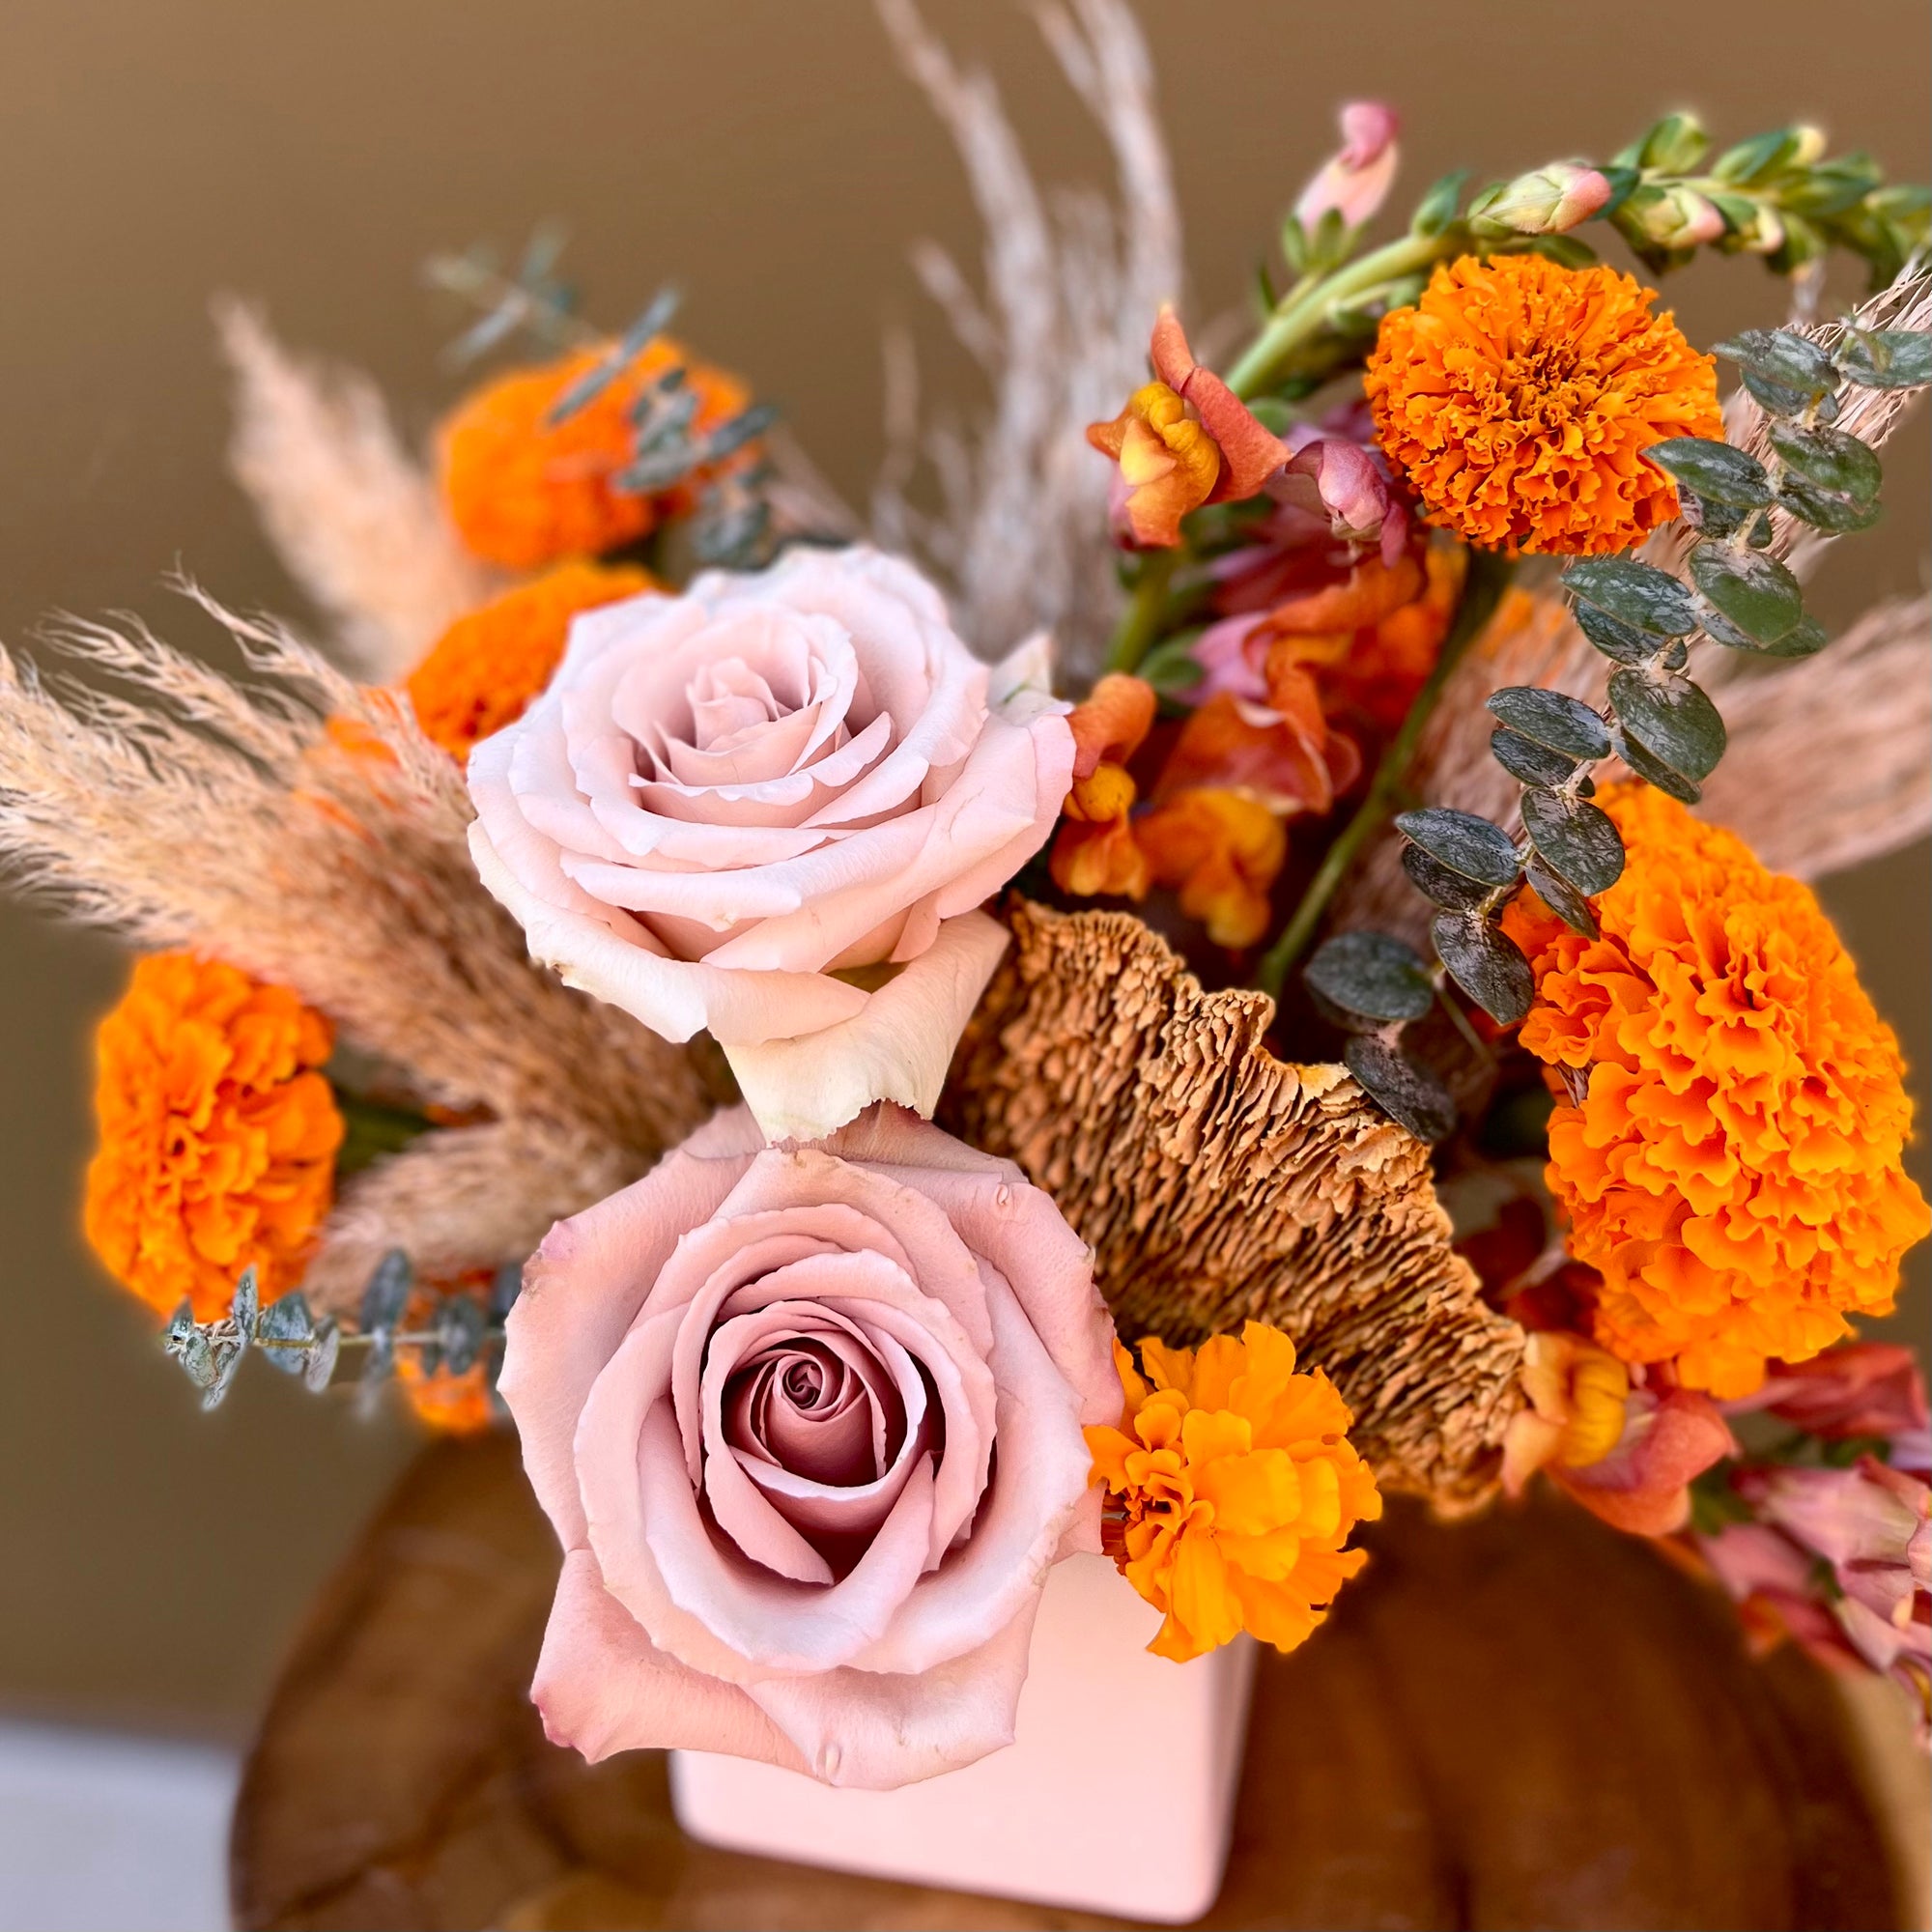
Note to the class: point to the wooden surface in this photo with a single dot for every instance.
(1521, 1721)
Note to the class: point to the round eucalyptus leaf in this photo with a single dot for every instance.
(1756, 593)
(1412, 1096)
(1563, 724)
(1829, 459)
(1805, 639)
(1827, 510)
(1717, 472)
(1783, 356)
(318, 1360)
(1464, 842)
(1528, 762)
(1637, 594)
(387, 1292)
(1562, 898)
(1886, 358)
(1485, 963)
(1574, 839)
(1370, 973)
(1614, 638)
(1654, 771)
(1438, 883)
(1671, 718)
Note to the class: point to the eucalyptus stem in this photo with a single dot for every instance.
(1490, 573)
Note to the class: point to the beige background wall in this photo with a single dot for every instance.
(771, 160)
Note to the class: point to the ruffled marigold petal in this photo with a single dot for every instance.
(1517, 397)
(1733, 1171)
(218, 1135)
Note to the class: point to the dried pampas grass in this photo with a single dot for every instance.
(1073, 283)
(354, 518)
(1831, 759)
(305, 830)
(465, 1198)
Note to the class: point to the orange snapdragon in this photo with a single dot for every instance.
(1096, 850)
(1231, 1489)
(1183, 440)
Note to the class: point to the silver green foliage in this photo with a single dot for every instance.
(292, 1340)
(1657, 720)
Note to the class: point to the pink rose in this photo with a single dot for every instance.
(740, 808)
(808, 1423)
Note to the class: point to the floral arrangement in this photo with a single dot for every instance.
(1307, 824)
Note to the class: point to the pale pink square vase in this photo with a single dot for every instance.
(1041, 1820)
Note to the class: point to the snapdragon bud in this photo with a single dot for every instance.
(1356, 181)
(1674, 146)
(1548, 201)
(1673, 217)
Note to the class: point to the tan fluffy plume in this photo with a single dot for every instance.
(354, 516)
(1073, 283)
(304, 830)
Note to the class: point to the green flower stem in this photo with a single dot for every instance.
(1302, 315)
(1488, 578)
(1140, 622)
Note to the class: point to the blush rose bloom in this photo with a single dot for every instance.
(727, 802)
(808, 1422)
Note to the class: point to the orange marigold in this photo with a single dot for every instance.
(483, 672)
(1733, 1169)
(1519, 396)
(524, 492)
(218, 1134)
(1230, 1490)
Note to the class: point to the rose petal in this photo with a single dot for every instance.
(898, 1047)
(1033, 1500)
(582, 1288)
(876, 1731)
(603, 1687)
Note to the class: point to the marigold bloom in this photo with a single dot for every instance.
(218, 1135)
(1224, 850)
(1517, 397)
(1733, 1171)
(1183, 440)
(1231, 1489)
(523, 492)
(482, 672)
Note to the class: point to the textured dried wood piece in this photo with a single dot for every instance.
(1218, 1183)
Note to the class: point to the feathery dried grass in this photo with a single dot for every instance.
(354, 518)
(1217, 1184)
(1073, 282)
(1854, 722)
(465, 1198)
(329, 858)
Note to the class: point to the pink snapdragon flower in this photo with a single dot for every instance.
(1355, 183)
